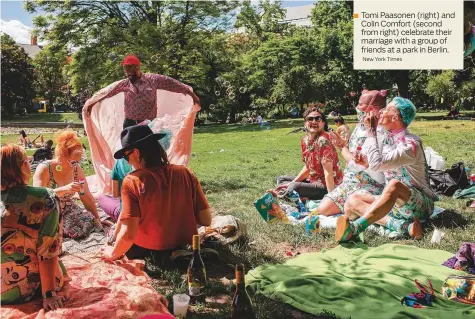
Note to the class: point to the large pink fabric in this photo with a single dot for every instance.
(99, 290)
(175, 111)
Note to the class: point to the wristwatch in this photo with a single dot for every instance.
(49, 294)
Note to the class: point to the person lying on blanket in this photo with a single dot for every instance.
(356, 177)
(321, 172)
(31, 234)
(407, 198)
(162, 203)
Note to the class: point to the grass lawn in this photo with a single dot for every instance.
(237, 163)
(43, 117)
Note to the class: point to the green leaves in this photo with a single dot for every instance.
(17, 77)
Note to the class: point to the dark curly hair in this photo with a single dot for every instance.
(322, 114)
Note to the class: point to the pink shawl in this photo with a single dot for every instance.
(175, 111)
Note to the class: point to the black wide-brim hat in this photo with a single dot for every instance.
(133, 135)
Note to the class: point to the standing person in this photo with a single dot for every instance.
(407, 198)
(356, 177)
(140, 92)
(321, 172)
(31, 234)
(63, 173)
(162, 203)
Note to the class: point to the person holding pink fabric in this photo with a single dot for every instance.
(140, 92)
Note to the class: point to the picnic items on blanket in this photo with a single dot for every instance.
(223, 231)
(421, 299)
(295, 197)
(100, 290)
(464, 259)
(357, 281)
(270, 210)
(448, 181)
(460, 288)
(312, 224)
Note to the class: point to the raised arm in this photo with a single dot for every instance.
(163, 82)
(119, 87)
(403, 154)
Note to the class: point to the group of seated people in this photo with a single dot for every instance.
(385, 180)
(36, 218)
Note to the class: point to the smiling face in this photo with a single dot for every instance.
(314, 123)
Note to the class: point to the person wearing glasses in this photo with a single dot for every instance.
(140, 90)
(162, 203)
(31, 234)
(356, 177)
(407, 198)
(64, 174)
(321, 172)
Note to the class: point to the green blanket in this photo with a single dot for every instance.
(361, 282)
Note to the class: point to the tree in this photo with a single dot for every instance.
(442, 86)
(49, 64)
(17, 77)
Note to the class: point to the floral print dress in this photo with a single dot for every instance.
(78, 222)
(31, 232)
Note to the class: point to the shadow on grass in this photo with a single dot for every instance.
(450, 219)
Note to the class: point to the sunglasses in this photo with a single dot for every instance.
(126, 155)
(314, 118)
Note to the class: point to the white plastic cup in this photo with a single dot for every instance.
(437, 236)
(180, 305)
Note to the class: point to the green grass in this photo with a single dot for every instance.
(43, 117)
(236, 164)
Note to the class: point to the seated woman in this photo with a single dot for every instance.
(356, 177)
(342, 130)
(113, 204)
(407, 197)
(162, 203)
(321, 172)
(64, 174)
(26, 143)
(31, 234)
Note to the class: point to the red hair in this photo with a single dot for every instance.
(12, 158)
(67, 143)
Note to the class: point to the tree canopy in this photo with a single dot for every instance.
(240, 57)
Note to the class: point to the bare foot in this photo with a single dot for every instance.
(416, 231)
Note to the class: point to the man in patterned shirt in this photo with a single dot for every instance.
(140, 90)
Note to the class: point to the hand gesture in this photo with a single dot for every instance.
(73, 187)
(362, 160)
(371, 122)
(54, 303)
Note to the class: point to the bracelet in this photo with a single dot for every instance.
(49, 294)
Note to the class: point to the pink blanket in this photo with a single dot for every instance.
(99, 290)
(175, 111)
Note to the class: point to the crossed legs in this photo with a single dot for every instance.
(366, 210)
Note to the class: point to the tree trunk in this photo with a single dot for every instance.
(402, 81)
(232, 114)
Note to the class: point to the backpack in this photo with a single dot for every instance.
(448, 181)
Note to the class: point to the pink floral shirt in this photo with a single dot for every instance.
(141, 97)
(319, 151)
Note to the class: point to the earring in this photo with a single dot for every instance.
(59, 168)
